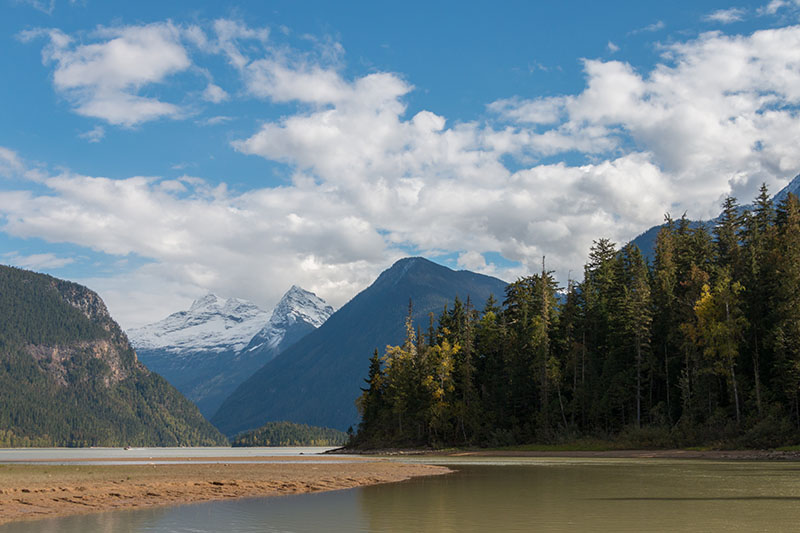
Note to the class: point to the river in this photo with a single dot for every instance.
(519, 494)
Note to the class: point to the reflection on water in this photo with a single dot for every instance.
(336, 512)
(594, 496)
(523, 495)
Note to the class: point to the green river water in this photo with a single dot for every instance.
(498, 495)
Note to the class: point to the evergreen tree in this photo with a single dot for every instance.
(786, 330)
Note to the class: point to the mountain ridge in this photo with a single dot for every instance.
(209, 349)
(297, 385)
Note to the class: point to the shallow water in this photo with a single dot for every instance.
(502, 495)
(152, 455)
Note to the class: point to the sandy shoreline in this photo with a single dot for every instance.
(29, 492)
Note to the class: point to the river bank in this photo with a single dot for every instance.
(36, 491)
(739, 455)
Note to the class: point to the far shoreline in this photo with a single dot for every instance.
(677, 453)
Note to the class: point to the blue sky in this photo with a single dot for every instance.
(160, 150)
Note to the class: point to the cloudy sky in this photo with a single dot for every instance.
(156, 151)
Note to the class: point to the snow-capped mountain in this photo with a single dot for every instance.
(212, 324)
(208, 350)
(299, 309)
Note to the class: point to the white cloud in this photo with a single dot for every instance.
(10, 163)
(40, 5)
(36, 261)
(726, 16)
(215, 94)
(540, 111)
(613, 48)
(213, 121)
(102, 79)
(717, 115)
(201, 238)
(654, 27)
(94, 135)
(772, 7)
(229, 34)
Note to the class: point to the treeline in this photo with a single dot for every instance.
(700, 347)
(290, 434)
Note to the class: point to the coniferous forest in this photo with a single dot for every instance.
(69, 377)
(701, 346)
(290, 434)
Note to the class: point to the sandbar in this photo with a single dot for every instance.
(37, 491)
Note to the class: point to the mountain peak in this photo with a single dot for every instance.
(410, 266)
(407, 262)
(298, 312)
(210, 324)
(209, 300)
(300, 304)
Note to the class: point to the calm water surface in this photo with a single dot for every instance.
(207, 454)
(503, 495)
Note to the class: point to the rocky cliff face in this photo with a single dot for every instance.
(113, 349)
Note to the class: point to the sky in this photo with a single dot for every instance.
(158, 151)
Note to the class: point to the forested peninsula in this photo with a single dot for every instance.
(699, 348)
(290, 434)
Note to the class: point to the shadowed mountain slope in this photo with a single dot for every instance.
(317, 380)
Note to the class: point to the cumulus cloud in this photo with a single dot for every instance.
(199, 238)
(718, 114)
(103, 79)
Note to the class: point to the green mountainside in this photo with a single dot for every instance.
(290, 434)
(69, 377)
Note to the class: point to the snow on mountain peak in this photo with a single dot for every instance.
(297, 305)
(211, 324)
(214, 324)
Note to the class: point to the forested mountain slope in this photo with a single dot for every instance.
(69, 377)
